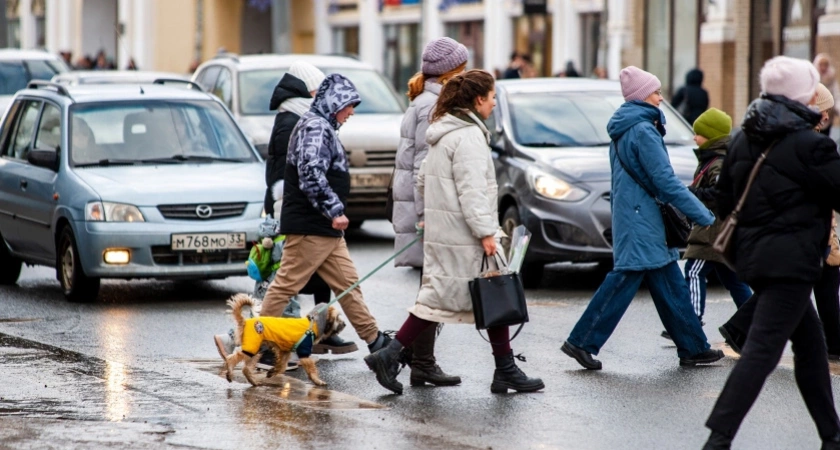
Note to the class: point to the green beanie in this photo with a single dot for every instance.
(713, 124)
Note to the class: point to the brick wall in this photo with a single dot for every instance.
(717, 61)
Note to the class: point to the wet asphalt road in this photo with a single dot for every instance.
(138, 370)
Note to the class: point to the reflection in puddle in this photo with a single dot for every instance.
(117, 401)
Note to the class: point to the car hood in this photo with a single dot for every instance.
(177, 183)
(362, 131)
(592, 164)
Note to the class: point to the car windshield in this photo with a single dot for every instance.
(155, 131)
(256, 87)
(15, 75)
(577, 119)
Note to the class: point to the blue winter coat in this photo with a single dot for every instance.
(637, 228)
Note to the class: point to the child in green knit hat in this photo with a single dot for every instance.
(711, 131)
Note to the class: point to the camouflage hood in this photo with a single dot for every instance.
(335, 93)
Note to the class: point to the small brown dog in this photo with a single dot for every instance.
(285, 336)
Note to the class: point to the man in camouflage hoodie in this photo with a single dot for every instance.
(315, 197)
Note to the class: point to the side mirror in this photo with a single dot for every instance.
(47, 159)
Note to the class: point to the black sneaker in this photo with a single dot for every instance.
(580, 355)
(267, 362)
(666, 335)
(707, 357)
(732, 338)
(334, 345)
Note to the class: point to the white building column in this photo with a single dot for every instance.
(371, 36)
(126, 39)
(59, 26)
(498, 24)
(323, 32)
(566, 38)
(28, 36)
(618, 34)
(139, 23)
(431, 20)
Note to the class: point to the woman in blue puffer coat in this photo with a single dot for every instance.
(640, 250)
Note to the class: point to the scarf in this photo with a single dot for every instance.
(297, 105)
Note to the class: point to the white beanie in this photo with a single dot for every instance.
(309, 74)
(789, 77)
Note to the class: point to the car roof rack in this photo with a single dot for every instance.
(37, 84)
(163, 81)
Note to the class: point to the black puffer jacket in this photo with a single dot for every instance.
(278, 145)
(784, 224)
(691, 100)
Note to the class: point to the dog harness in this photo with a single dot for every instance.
(290, 334)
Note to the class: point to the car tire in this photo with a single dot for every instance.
(77, 286)
(9, 266)
(531, 273)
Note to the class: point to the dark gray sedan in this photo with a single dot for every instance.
(551, 148)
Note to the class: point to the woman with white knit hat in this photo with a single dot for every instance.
(779, 244)
(640, 164)
(443, 58)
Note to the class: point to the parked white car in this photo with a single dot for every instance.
(19, 67)
(370, 137)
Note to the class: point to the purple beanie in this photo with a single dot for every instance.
(636, 84)
(442, 55)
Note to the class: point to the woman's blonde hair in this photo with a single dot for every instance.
(461, 91)
(417, 83)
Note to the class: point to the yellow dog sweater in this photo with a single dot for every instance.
(283, 331)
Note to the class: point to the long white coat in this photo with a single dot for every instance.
(461, 207)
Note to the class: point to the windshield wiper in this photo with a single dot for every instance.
(205, 158)
(543, 144)
(110, 162)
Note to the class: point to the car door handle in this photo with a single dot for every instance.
(24, 184)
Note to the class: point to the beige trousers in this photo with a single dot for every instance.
(329, 258)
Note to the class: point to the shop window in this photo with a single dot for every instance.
(346, 40)
(590, 42)
(402, 53)
(471, 34)
(671, 40)
(532, 36)
(12, 23)
(39, 12)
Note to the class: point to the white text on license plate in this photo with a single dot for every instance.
(208, 241)
(370, 180)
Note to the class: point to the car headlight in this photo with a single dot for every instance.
(112, 212)
(554, 188)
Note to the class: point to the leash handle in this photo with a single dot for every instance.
(377, 269)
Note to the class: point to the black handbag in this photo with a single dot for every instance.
(677, 226)
(498, 300)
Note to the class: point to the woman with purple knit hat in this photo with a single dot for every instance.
(640, 251)
(443, 58)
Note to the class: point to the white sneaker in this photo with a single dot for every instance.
(224, 344)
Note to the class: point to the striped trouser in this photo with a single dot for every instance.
(696, 271)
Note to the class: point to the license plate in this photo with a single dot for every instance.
(370, 180)
(205, 242)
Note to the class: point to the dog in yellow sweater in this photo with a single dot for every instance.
(285, 334)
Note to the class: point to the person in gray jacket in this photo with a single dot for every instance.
(442, 59)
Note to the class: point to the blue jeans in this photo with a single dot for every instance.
(696, 271)
(670, 296)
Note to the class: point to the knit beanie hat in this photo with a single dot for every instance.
(825, 100)
(309, 74)
(713, 124)
(789, 77)
(442, 55)
(636, 84)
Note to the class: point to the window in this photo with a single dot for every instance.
(49, 130)
(402, 53)
(223, 87)
(346, 40)
(207, 78)
(22, 139)
(41, 70)
(13, 77)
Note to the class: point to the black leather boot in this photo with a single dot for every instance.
(424, 368)
(718, 441)
(386, 364)
(509, 376)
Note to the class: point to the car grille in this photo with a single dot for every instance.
(188, 212)
(374, 158)
(608, 236)
(163, 255)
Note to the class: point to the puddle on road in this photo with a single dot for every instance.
(286, 388)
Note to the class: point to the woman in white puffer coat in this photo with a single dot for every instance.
(442, 59)
(461, 222)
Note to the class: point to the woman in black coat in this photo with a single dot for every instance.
(779, 245)
(691, 100)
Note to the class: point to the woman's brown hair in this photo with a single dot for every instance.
(461, 91)
(417, 83)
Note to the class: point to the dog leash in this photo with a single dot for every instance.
(377, 269)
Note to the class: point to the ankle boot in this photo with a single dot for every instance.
(718, 441)
(509, 376)
(386, 364)
(424, 368)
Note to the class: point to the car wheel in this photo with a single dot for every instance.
(9, 266)
(77, 286)
(531, 273)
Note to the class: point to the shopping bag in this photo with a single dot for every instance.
(498, 299)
